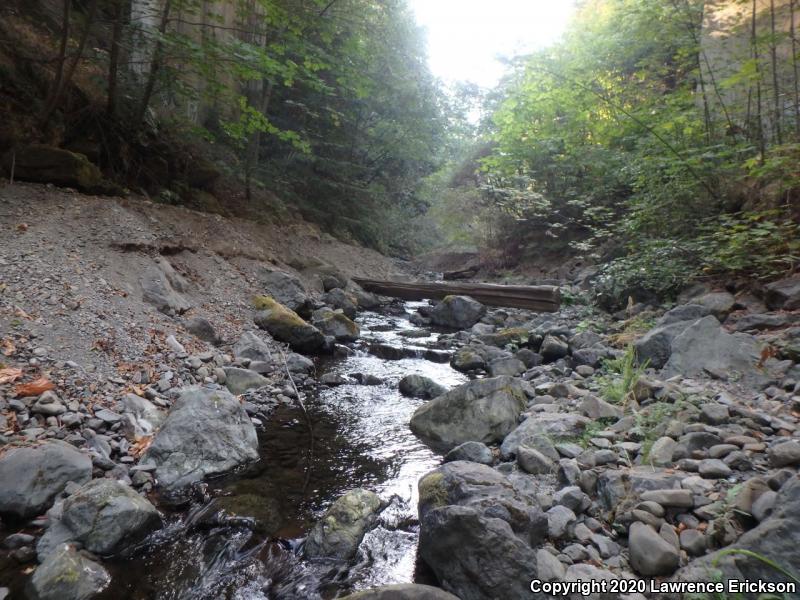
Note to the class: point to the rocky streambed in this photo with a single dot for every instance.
(474, 450)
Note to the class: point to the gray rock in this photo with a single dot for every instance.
(251, 346)
(297, 363)
(713, 468)
(419, 386)
(553, 348)
(684, 312)
(706, 347)
(201, 328)
(457, 312)
(338, 298)
(548, 567)
(67, 575)
(655, 347)
(764, 321)
(650, 554)
(784, 294)
(338, 326)
(559, 520)
(472, 452)
(552, 425)
(107, 516)
(784, 454)
(49, 405)
(338, 534)
(207, 432)
(670, 498)
(595, 408)
(145, 417)
(693, 541)
(484, 410)
(661, 452)
(33, 476)
(506, 366)
(475, 356)
(534, 462)
(238, 381)
(366, 300)
(714, 414)
(287, 289)
(402, 591)
(719, 304)
(162, 287)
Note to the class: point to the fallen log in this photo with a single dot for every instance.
(462, 274)
(541, 298)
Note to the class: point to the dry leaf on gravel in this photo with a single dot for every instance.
(10, 375)
(8, 348)
(140, 446)
(35, 387)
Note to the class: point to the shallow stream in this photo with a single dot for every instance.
(361, 438)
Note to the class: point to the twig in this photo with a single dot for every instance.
(302, 406)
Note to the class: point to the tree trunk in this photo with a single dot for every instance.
(61, 60)
(776, 95)
(254, 143)
(113, 59)
(756, 59)
(155, 65)
(793, 33)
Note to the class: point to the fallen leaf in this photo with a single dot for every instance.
(35, 387)
(22, 227)
(10, 375)
(140, 445)
(8, 348)
(28, 570)
(18, 312)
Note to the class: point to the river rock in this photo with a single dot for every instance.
(683, 313)
(457, 312)
(419, 386)
(471, 451)
(784, 454)
(534, 462)
(201, 328)
(33, 476)
(484, 410)
(286, 325)
(705, 347)
(67, 575)
(107, 516)
(251, 346)
(506, 366)
(476, 356)
(285, 288)
(346, 302)
(338, 326)
(238, 381)
(595, 408)
(553, 425)
(783, 294)
(403, 591)
(207, 432)
(465, 505)
(47, 164)
(553, 348)
(655, 346)
(650, 554)
(338, 534)
(163, 287)
(775, 539)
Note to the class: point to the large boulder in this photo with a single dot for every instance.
(419, 386)
(484, 410)
(655, 346)
(554, 426)
(337, 325)
(784, 294)
(468, 505)
(163, 287)
(457, 312)
(107, 516)
(68, 575)
(285, 288)
(47, 164)
(207, 432)
(32, 477)
(704, 347)
(286, 325)
(402, 591)
(338, 534)
(252, 347)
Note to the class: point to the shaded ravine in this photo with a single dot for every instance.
(361, 439)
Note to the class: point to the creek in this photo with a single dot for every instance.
(361, 438)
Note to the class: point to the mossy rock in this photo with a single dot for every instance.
(511, 335)
(47, 164)
(337, 325)
(286, 325)
(432, 491)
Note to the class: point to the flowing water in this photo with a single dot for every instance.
(361, 438)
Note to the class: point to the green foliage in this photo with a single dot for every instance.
(620, 376)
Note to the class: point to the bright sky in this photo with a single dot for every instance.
(465, 37)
